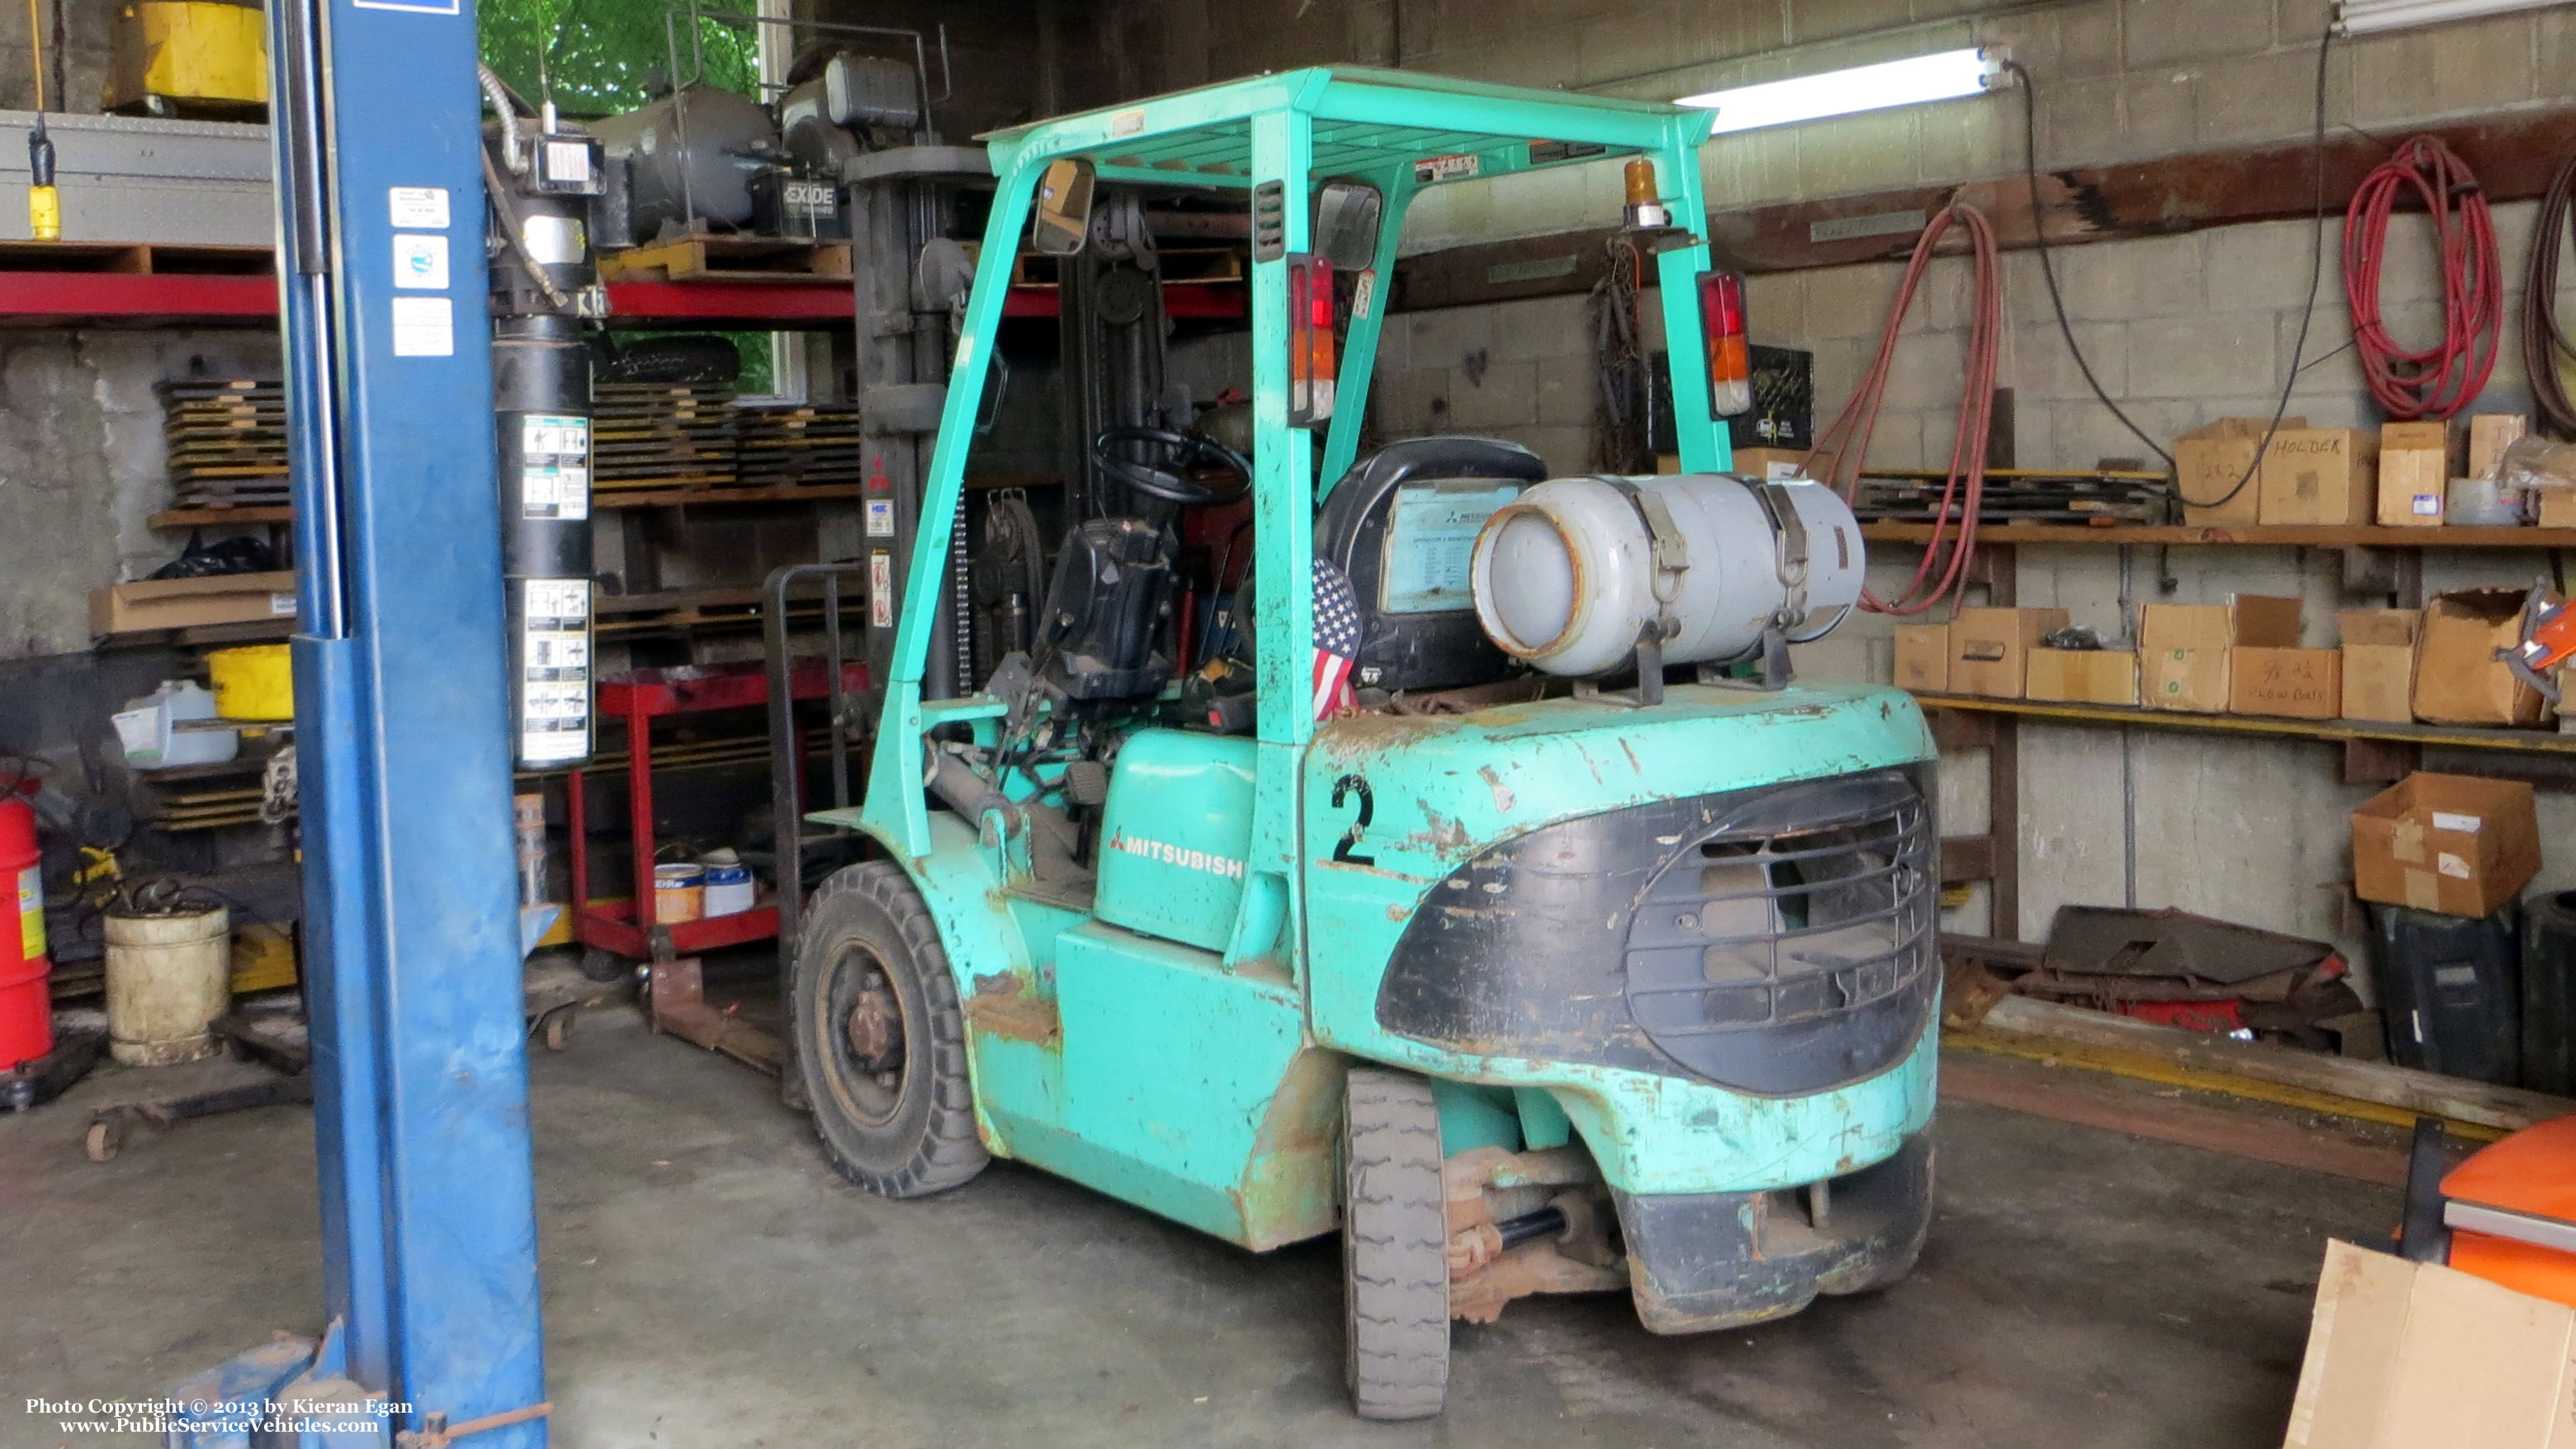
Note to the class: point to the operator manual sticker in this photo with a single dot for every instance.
(554, 467)
(424, 327)
(1431, 545)
(554, 721)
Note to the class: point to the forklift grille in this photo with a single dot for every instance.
(1775, 921)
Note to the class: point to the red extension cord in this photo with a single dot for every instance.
(1843, 447)
(2439, 380)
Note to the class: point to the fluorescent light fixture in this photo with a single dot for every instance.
(1944, 76)
(2360, 17)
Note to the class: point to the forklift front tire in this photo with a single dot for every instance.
(1395, 1246)
(880, 1038)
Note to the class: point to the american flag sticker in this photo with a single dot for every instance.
(1337, 638)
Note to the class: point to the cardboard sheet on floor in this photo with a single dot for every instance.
(2416, 1356)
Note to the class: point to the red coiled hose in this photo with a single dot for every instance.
(1844, 446)
(2437, 381)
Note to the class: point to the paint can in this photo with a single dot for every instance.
(679, 893)
(729, 885)
(168, 978)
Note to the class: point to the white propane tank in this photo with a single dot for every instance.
(1572, 572)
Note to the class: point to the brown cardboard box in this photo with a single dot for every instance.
(185, 603)
(2379, 663)
(2415, 471)
(2319, 476)
(2212, 460)
(2083, 676)
(2420, 1356)
(2295, 683)
(2458, 844)
(2458, 679)
(1770, 463)
(2489, 435)
(1990, 648)
(2558, 508)
(1923, 658)
(2183, 648)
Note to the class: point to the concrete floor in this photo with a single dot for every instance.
(709, 1282)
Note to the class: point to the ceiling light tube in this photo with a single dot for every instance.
(2361, 17)
(1945, 75)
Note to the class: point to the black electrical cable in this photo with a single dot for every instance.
(2307, 316)
(2544, 342)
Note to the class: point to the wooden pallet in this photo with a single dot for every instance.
(158, 259)
(730, 259)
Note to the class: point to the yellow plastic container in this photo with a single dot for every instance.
(253, 682)
(187, 50)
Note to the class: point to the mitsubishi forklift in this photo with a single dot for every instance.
(1493, 896)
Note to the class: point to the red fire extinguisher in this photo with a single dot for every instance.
(26, 1002)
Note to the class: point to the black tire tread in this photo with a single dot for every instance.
(1395, 1256)
(949, 1151)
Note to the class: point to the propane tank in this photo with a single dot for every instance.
(26, 1003)
(1575, 571)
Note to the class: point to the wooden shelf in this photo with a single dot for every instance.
(2458, 736)
(2243, 536)
(606, 500)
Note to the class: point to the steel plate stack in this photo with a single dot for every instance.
(792, 446)
(661, 435)
(227, 441)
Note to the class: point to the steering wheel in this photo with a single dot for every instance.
(1173, 454)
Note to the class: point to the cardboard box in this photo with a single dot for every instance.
(1990, 648)
(1770, 463)
(2210, 461)
(2458, 844)
(2082, 676)
(1923, 658)
(2292, 683)
(2489, 435)
(2379, 663)
(2183, 648)
(2558, 508)
(2415, 471)
(2319, 476)
(2419, 1356)
(186, 603)
(2458, 679)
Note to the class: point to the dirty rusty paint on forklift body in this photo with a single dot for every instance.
(1180, 1041)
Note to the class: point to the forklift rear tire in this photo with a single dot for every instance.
(880, 1038)
(1395, 1246)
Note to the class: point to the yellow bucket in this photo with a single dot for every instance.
(253, 682)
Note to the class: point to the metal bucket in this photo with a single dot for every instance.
(168, 978)
(729, 888)
(679, 893)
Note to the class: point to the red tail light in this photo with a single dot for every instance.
(1730, 356)
(1312, 367)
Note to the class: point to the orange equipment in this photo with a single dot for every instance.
(2507, 1214)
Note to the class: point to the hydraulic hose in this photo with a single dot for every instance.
(1843, 447)
(2436, 381)
(2545, 344)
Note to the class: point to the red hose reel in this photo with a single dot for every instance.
(2439, 380)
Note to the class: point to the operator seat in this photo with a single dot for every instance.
(1402, 525)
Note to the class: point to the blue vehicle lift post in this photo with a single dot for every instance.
(412, 928)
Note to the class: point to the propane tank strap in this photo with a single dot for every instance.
(1789, 531)
(1669, 550)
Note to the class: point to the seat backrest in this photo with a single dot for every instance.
(1402, 525)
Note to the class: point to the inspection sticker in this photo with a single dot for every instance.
(419, 207)
(880, 518)
(420, 261)
(424, 327)
(554, 467)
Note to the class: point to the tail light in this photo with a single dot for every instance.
(1311, 364)
(1730, 356)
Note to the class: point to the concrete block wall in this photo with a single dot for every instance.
(82, 466)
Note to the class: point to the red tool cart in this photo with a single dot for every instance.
(629, 929)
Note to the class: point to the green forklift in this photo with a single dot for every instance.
(1492, 896)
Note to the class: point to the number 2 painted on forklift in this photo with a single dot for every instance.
(1344, 788)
